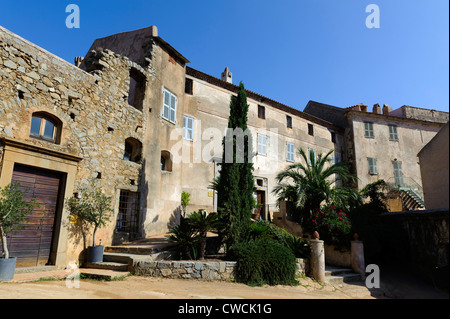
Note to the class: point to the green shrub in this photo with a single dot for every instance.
(333, 226)
(264, 261)
(264, 229)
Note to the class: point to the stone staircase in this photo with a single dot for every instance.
(336, 275)
(122, 258)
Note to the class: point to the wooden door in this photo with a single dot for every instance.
(32, 244)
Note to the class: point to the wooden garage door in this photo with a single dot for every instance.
(32, 244)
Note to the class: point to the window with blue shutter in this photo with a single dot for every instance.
(169, 106)
(290, 155)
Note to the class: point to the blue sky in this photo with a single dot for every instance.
(291, 51)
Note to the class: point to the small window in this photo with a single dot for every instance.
(262, 144)
(393, 135)
(368, 130)
(333, 137)
(288, 121)
(169, 106)
(261, 112)
(188, 128)
(311, 129)
(136, 91)
(133, 150)
(290, 155)
(189, 87)
(45, 127)
(373, 168)
(311, 156)
(166, 161)
(335, 159)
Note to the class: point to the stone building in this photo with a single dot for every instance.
(132, 117)
(383, 144)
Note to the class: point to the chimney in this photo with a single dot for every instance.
(363, 107)
(387, 109)
(154, 31)
(78, 60)
(227, 76)
(376, 109)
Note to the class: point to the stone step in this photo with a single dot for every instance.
(103, 274)
(337, 275)
(108, 265)
(341, 278)
(135, 250)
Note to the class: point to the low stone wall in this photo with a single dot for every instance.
(207, 270)
(210, 270)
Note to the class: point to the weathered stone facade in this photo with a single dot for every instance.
(119, 120)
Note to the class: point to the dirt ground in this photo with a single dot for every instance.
(134, 287)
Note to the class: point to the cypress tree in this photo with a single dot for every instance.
(235, 185)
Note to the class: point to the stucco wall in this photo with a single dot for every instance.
(434, 162)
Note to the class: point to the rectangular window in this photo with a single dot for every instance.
(170, 106)
(261, 112)
(288, 121)
(262, 144)
(311, 156)
(368, 130)
(333, 137)
(188, 128)
(311, 129)
(398, 174)
(189, 87)
(393, 135)
(290, 155)
(128, 216)
(335, 159)
(373, 169)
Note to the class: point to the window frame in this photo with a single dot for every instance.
(288, 121)
(261, 112)
(372, 163)
(310, 129)
(290, 154)
(393, 132)
(187, 129)
(169, 107)
(261, 145)
(369, 130)
(44, 119)
(309, 157)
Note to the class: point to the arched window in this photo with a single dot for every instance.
(133, 150)
(46, 127)
(166, 161)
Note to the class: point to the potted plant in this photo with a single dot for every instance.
(13, 211)
(94, 208)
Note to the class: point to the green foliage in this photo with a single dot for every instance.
(310, 183)
(266, 230)
(333, 225)
(185, 199)
(13, 211)
(93, 207)
(264, 261)
(186, 239)
(202, 222)
(235, 186)
(190, 235)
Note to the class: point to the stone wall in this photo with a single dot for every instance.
(95, 118)
(207, 270)
(419, 240)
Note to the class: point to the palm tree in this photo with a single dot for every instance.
(203, 222)
(310, 184)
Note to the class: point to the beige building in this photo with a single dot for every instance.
(434, 162)
(383, 144)
(140, 123)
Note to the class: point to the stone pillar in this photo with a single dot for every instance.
(358, 264)
(317, 260)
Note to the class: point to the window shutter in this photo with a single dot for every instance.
(262, 144)
(373, 169)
